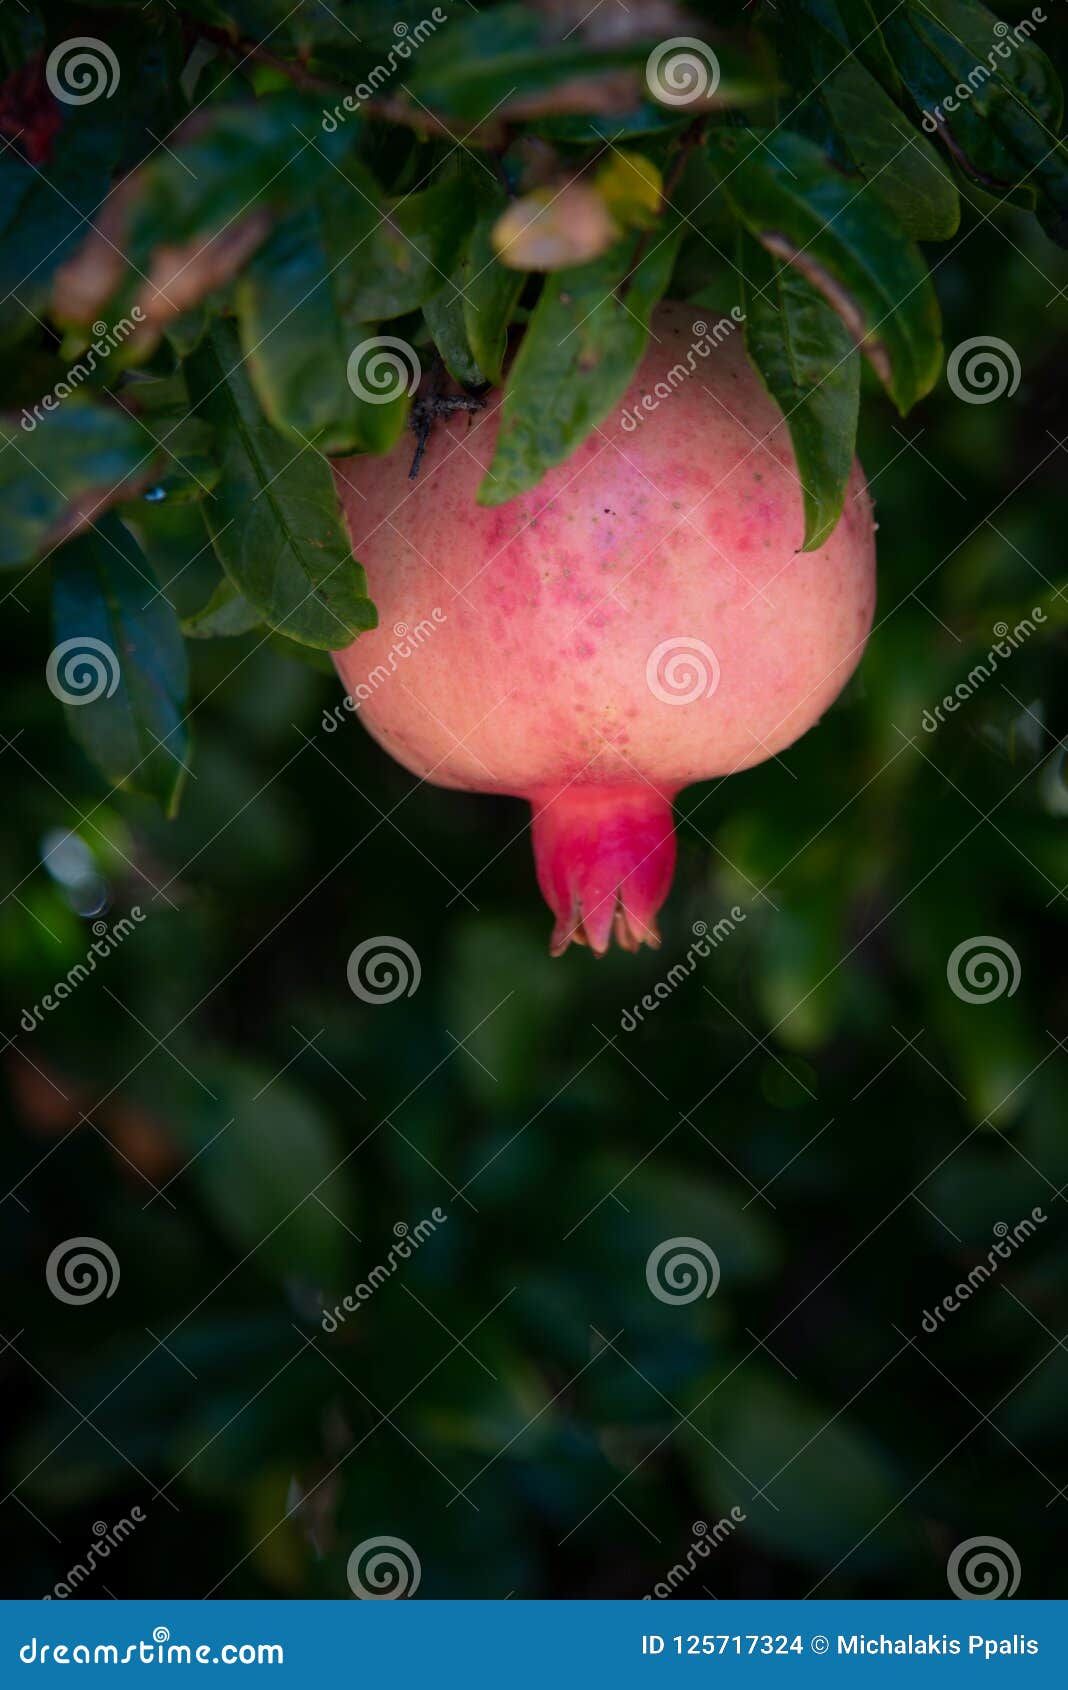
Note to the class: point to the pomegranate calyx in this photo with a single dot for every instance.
(605, 857)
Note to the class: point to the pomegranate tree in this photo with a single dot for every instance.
(203, 323)
(643, 619)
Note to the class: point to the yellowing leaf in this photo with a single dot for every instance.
(631, 187)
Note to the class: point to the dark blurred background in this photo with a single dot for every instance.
(814, 1104)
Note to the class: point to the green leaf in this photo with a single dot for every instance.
(190, 215)
(56, 473)
(516, 61)
(805, 356)
(662, 1201)
(186, 455)
(990, 1043)
(483, 62)
(644, 121)
(899, 164)
(119, 663)
(306, 302)
(852, 24)
(186, 332)
(446, 319)
(266, 1167)
(274, 516)
(787, 194)
(22, 34)
(42, 212)
(227, 613)
(45, 206)
(414, 249)
(491, 294)
(356, 35)
(156, 1407)
(306, 655)
(297, 339)
(583, 344)
(248, 153)
(799, 986)
(825, 1491)
(1003, 130)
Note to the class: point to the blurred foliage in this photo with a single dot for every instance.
(814, 1102)
(239, 238)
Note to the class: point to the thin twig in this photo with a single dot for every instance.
(690, 139)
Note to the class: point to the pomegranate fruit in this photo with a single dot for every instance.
(642, 619)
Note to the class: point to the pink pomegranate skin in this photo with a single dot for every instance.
(642, 619)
